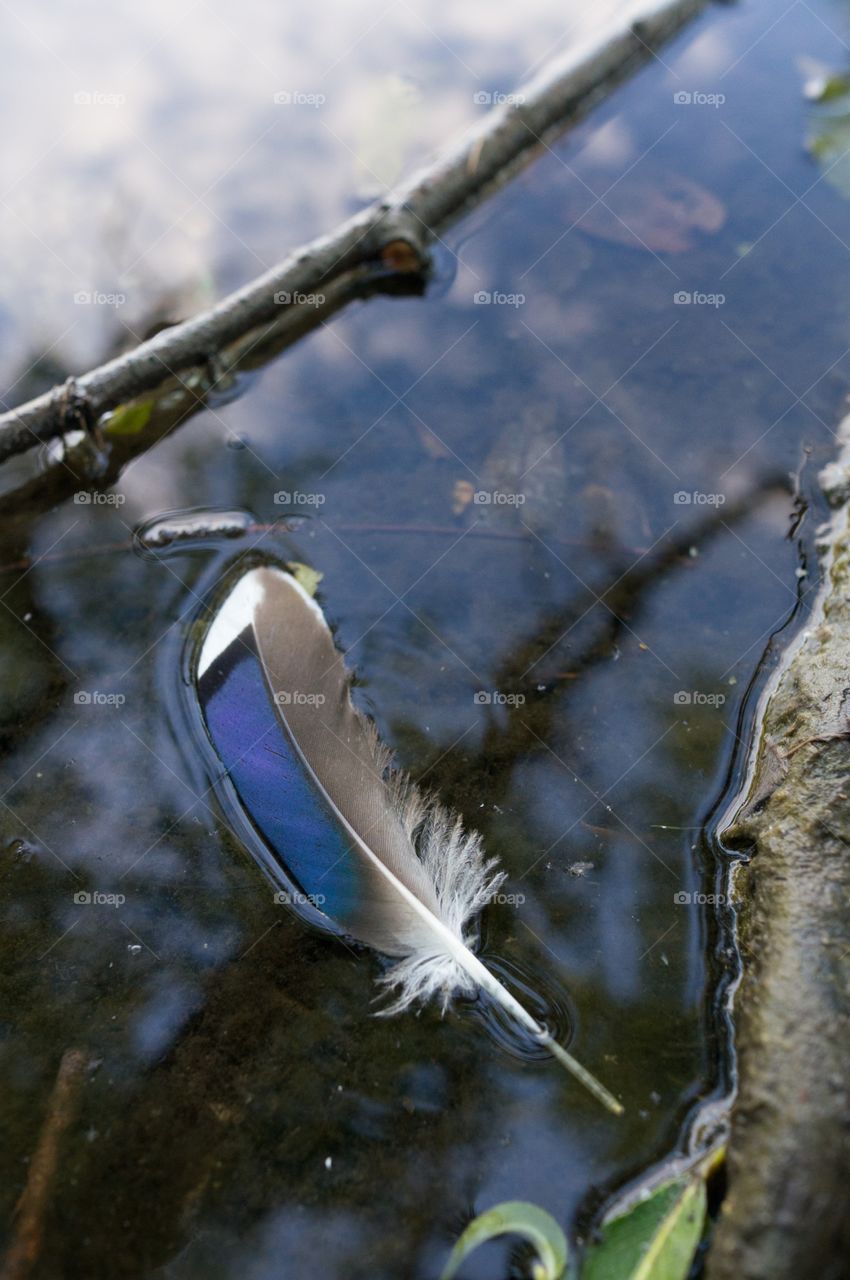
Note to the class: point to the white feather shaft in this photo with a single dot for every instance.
(491, 984)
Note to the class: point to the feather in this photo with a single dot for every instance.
(382, 863)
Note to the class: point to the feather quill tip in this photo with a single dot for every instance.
(581, 1074)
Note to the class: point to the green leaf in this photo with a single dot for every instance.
(654, 1240)
(832, 87)
(829, 138)
(129, 419)
(306, 577)
(515, 1217)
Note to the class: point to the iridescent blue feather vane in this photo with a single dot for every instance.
(391, 868)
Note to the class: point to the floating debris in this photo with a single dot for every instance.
(189, 529)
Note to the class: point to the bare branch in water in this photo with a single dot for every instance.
(388, 241)
(32, 1207)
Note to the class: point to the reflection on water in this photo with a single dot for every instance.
(163, 154)
(567, 670)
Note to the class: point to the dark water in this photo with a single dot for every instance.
(248, 1116)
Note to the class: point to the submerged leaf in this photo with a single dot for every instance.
(654, 1240)
(653, 210)
(515, 1217)
(306, 577)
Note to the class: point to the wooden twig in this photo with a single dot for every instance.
(25, 1248)
(391, 236)
(664, 553)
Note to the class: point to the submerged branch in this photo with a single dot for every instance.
(387, 240)
(63, 1104)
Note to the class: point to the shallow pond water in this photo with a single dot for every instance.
(574, 672)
